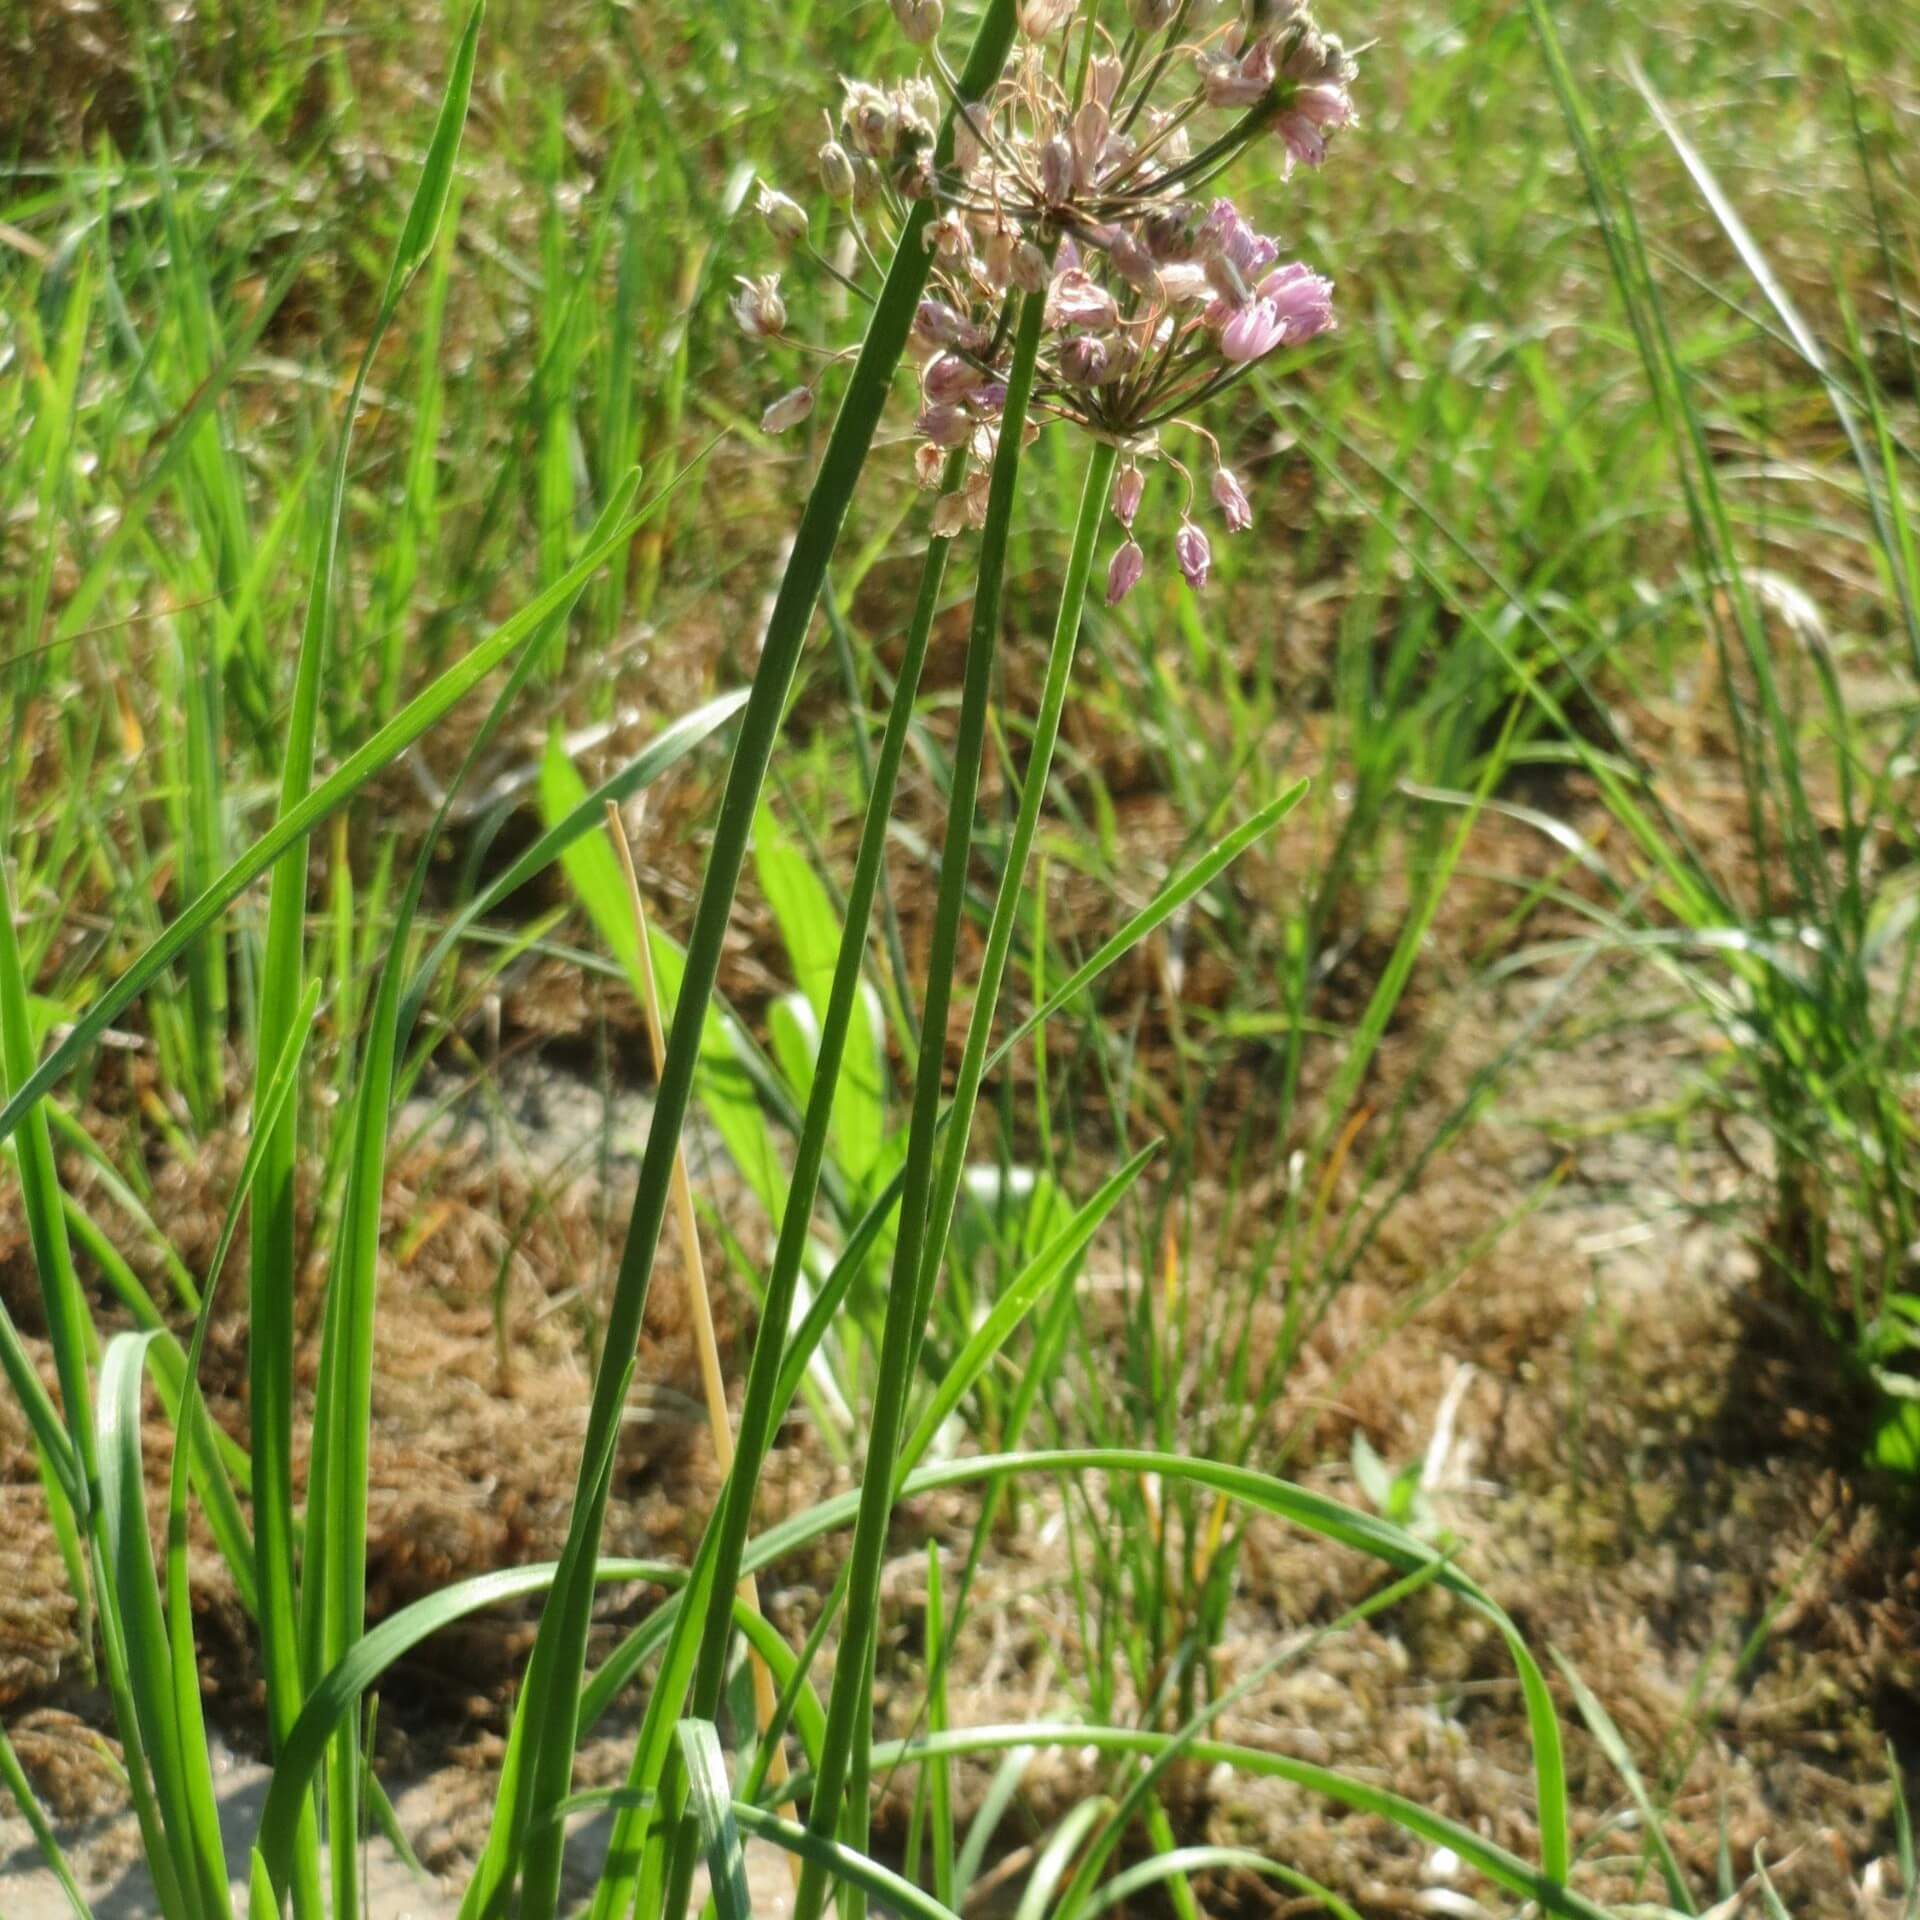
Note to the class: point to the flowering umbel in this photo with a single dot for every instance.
(1086, 178)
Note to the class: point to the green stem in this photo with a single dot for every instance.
(562, 1639)
(849, 1698)
(704, 1633)
(1006, 905)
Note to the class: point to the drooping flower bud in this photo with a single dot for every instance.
(1303, 300)
(1085, 361)
(1150, 16)
(949, 238)
(786, 219)
(949, 515)
(1133, 263)
(919, 20)
(758, 310)
(949, 378)
(1074, 299)
(866, 182)
(1041, 18)
(836, 170)
(1103, 78)
(941, 326)
(1089, 142)
(788, 411)
(929, 463)
(1126, 496)
(1173, 231)
(945, 426)
(1029, 272)
(1056, 169)
(1231, 498)
(1123, 574)
(1192, 551)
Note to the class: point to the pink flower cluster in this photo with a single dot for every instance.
(1075, 184)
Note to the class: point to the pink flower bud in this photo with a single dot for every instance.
(1085, 361)
(1126, 496)
(758, 309)
(788, 411)
(939, 325)
(1056, 168)
(945, 426)
(1302, 298)
(1254, 332)
(1231, 498)
(949, 378)
(1075, 300)
(1123, 575)
(1149, 16)
(1103, 82)
(1029, 267)
(1195, 556)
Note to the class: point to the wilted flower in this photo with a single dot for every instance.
(1195, 556)
(788, 411)
(1126, 496)
(786, 219)
(1123, 574)
(1243, 81)
(1231, 498)
(949, 515)
(758, 309)
(919, 19)
(1040, 18)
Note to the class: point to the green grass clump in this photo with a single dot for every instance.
(345, 443)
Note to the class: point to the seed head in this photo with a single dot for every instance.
(758, 309)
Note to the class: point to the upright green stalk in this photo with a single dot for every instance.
(849, 1698)
(560, 1647)
(764, 1401)
(993, 968)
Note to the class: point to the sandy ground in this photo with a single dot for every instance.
(1643, 1460)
